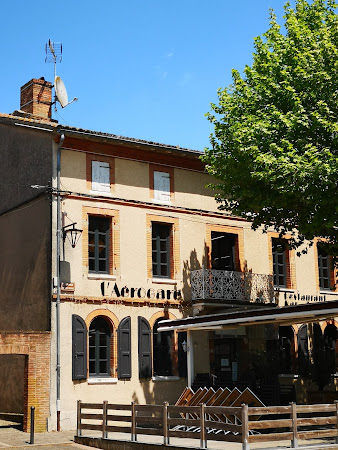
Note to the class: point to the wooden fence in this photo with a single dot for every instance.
(242, 424)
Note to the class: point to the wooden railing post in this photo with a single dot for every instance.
(78, 419)
(165, 424)
(104, 420)
(133, 422)
(245, 427)
(336, 403)
(203, 439)
(294, 442)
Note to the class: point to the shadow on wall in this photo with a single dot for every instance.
(188, 266)
(149, 395)
(25, 267)
(160, 392)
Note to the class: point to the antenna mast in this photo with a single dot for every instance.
(53, 55)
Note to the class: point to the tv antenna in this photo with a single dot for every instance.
(54, 55)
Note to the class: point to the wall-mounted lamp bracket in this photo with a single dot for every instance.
(73, 234)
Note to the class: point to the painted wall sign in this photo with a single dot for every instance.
(139, 292)
(294, 298)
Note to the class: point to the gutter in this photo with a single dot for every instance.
(58, 284)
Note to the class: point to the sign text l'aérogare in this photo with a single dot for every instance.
(139, 292)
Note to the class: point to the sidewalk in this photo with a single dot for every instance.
(12, 437)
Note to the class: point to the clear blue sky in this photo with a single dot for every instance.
(141, 68)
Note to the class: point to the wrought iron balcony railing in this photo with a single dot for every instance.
(226, 285)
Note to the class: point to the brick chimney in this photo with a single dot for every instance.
(36, 98)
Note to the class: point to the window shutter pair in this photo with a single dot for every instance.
(144, 348)
(100, 176)
(79, 348)
(162, 186)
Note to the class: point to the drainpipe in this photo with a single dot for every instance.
(58, 286)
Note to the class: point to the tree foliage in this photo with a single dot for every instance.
(275, 141)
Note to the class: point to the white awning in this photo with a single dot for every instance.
(286, 315)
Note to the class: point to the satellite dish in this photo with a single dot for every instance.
(61, 92)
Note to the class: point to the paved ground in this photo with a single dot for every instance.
(12, 437)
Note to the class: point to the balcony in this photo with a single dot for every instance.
(228, 286)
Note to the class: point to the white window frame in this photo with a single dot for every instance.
(162, 186)
(100, 177)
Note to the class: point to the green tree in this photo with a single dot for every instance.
(275, 142)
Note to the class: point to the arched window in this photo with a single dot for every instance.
(99, 348)
(162, 345)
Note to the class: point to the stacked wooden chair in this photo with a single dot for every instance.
(221, 397)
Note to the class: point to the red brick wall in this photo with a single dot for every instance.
(36, 97)
(36, 348)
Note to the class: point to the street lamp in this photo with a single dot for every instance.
(73, 234)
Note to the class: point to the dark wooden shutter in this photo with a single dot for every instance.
(162, 349)
(144, 348)
(182, 355)
(124, 343)
(79, 348)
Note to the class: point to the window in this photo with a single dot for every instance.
(162, 186)
(144, 348)
(98, 244)
(324, 271)
(223, 250)
(161, 243)
(163, 248)
(124, 352)
(161, 183)
(225, 247)
(100, 176)
(99, 348)
(162, 343)
(279, 247)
